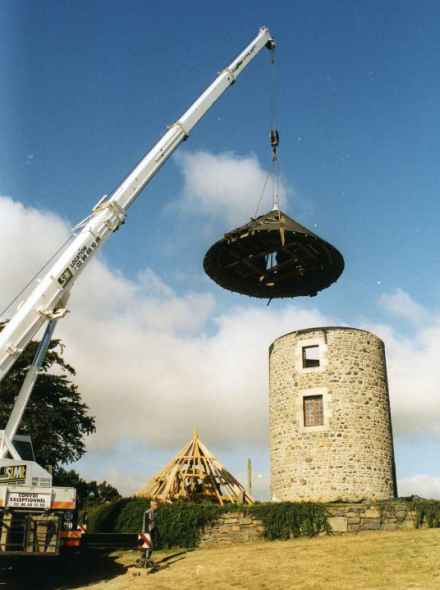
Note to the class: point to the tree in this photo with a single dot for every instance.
(105, 492)
(56, 418)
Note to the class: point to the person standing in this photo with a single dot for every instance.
(149, 527)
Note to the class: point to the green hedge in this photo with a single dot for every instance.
(121, 516)
(291, 519)
(427, 513)
(181, 524)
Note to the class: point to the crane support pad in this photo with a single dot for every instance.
(273, 256)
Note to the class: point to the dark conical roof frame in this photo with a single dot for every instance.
(273, 256)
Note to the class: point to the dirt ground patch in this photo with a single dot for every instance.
(400, 560)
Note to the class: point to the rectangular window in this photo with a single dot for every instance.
(310, 356)
(313, 410)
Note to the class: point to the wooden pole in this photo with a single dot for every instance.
(249, 471)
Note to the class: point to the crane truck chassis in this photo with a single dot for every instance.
(37, 518)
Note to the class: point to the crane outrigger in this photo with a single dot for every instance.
(35, 516)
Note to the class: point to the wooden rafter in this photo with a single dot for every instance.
(195, 474)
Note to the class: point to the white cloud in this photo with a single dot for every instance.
(153, 284)
(426, 486)
(28, 238)
(414, 371)
(402, 305)
(226, 186)
(148, 366)
(152, 364)
(155, 385)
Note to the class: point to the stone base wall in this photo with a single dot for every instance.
(236, 527)
(348, 518)
(233, 527)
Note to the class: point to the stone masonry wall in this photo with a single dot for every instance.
(233, 527)
(350, 456)
(360, 517)
(236, 527)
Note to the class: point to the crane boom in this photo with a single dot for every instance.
(47, 299)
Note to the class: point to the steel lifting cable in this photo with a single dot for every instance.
(268, 175)
(274, 139)
(274, 135)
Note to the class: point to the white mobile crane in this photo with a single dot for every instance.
(35, 516)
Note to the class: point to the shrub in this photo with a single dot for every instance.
(181, 524)
(104, 517)
(427, 513)
(291, 519)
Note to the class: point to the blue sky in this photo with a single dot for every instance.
(89, 86)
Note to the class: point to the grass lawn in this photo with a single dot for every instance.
(400, 560)
(387, 560)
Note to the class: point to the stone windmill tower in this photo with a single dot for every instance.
(330, 423)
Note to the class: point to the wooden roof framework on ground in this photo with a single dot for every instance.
(196, 475)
